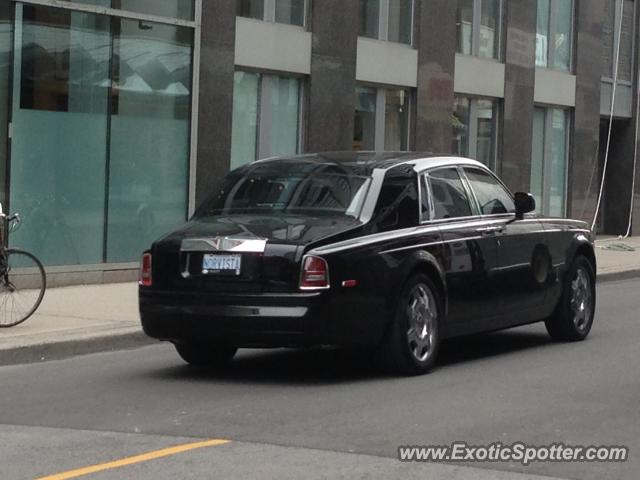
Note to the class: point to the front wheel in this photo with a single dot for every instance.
(573, 318)
(205, 355)
(22, 286)
(411, 344)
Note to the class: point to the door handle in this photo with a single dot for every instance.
(490, 230)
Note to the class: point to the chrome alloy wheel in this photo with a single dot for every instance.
(581, 299)
(422, 312)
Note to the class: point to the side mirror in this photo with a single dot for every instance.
(525, 203)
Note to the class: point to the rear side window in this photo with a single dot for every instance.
(449, 197)
(492, 198)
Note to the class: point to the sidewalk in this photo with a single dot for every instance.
(88, 319)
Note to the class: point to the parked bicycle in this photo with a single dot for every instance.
(22, 278)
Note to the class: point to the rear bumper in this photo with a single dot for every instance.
(259, 320)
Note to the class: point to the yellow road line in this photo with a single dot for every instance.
(145, 457)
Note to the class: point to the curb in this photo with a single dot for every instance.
(618, 276)
(71, 348)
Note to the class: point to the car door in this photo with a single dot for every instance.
(524, 264)
(470, 251)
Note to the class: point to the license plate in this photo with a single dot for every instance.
(225, 264)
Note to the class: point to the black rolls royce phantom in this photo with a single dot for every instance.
(392, 251)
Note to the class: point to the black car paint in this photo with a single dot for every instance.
(493, 272)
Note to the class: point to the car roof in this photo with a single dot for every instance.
(366, 162)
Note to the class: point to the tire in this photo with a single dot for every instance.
(573, 317)
(205, 355)
(405, 350)
(22, 287)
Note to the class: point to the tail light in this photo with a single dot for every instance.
(145, 271)
(315, 274)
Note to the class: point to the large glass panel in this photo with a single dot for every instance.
(396, 120)
(562, 35)
(558, 162)
(284, 106)
(149, 135)
(492, 198)
(5, 57)
(487, 125)
(369, 18)
(450, 199)
(290, 11)
(542, 33)
(244, 134)
(489, 29)
(464, 26)
(364, 137)
(461, 123)
(182, 9)
(537, 157)
(61, 82)
(251, 9)
(400, 21)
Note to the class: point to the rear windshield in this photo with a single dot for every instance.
(289, 188)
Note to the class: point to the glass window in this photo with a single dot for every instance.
(475, 125)
(289, 186)
(400, 21)
(266, 117)
(59, 150)
(425, 203)
(369, 18)
(364, 137)
(381, 119)
(461, 121)
(549, 160)
(464, 25)
(492, 198)
(537, 156)
(244, 135)
(558, 162)
(283, 97)
(554, 34)
(396, 120)
(449, 197)
(489, 29)
(250, 9)
(562, 44)
(290, 11)
(149, 135)
(478, 24)
(542, 33)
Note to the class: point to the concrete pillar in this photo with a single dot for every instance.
(217, 64)
(331, 93)
(514, 154)
(436, 43)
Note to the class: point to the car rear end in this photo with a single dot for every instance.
(243, 278)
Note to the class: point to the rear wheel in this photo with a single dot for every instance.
(22, 286)
(573, 318)
(205, 355)
(411, 344)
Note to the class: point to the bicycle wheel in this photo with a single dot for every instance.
(22, 287)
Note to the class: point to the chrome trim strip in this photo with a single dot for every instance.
(224, 244)
(439, 242)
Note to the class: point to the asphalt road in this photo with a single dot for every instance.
(324, 413)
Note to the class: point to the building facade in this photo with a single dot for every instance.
(116, 116)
